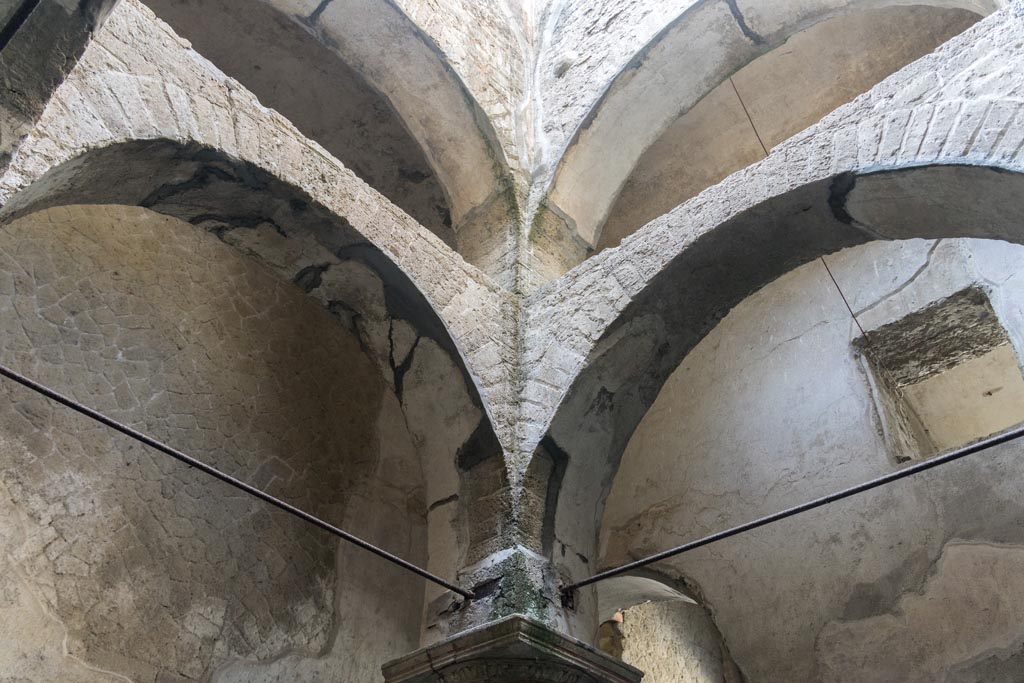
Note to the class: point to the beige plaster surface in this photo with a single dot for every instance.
(774, 408)
(120, 560)
(977, 398)
(772, 98)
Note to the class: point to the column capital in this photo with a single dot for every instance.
(514, 650)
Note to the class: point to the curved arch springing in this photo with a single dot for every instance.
(676, 308)
(706, 45)
(652, 623)
(306, 244)
(352, 78)
(782, 402)
(258, 213)
(193, 104)
(592, 372)
(771, 99)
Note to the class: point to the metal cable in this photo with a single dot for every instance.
(226, 478)
(567, 591)
(962, 452)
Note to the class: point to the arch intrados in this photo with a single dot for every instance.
(677, 55)
(457, 137)
(278, 57)
(299, 418)
(726, 264)
(622, 592)
(206, 187)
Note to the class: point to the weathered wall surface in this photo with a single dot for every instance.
(488, 45)
(141, 100)
(958, 105)
(584, 47)
(774, 407)
(139, 81)
(122, 565)
(772, 98)
(291, 71)
(29, 74)
(674, 642)
(699, 50)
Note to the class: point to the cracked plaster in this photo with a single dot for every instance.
(156, 572)
(727, 442)
(956, 106)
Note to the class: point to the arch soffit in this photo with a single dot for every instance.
(171, 113)
(635, 355)
(402, 62)
(703, 46)
(911, 158)
(644, 585)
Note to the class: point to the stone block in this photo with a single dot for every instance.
(513, 650)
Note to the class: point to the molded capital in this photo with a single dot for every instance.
(513, 650)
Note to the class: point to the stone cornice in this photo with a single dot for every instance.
(514, 650)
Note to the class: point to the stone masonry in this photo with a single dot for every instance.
(508, 366)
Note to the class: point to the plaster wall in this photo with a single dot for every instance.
(584, 45)
(673, 280)
(121, 565)
(308, 83)
(665, 78)
(774, 407)
(172, 93)
(488, 44)
(772, 98)
(674, 642)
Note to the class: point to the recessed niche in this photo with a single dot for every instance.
(944, 376)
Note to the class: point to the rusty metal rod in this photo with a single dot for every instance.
(962, 452)
(226, 478)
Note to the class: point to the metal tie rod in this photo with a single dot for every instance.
(962, 452)
(226, 478)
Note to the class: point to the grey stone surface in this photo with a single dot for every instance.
(279, 60)
(694, 49)
(675, 642)
(508, 408)
(29, 75)
(191, 103)
(772, 98)
(773, 408)
(512, 650)
(123, 565)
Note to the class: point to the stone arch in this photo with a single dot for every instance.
(320, 252)
(160, 325)
(252, 210)
(172, 98)
(458, 137)
(280, 226)
(31, 75)
(644, 585)
(661, 626)
(777, 405)
(927, 124)
(627, 365)
(363, 52)
(600, 158)
(774, 97)
(718, 268)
